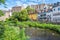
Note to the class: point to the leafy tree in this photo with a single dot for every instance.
(30, 9)
(1, 13)
(20, 16)
(2, 1)
(24, 15)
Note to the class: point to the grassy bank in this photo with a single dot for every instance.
(11, 30)
(35, 24)
(40, 25)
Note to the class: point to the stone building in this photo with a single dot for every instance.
(16, 8)
(42, 7)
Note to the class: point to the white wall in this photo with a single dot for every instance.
(54, 18)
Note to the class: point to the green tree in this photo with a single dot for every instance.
(20, 16)
(30, 9)
(1, 13)
(24, 15)
(2, 1)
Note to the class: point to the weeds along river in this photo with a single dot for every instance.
(41, 34)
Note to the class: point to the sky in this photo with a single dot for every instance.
(11, 3)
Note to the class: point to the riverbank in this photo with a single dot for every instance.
(12, 27)
(35, 24)
(40, 25)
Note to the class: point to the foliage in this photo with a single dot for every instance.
(33, 24)
(22, 34)
(2, 1)
(20, 16)
(8, 31)
(1, 29)
(29, 9)
(39, 25)
(1, 13)
(11, 33)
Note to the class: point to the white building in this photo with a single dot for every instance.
(54, 16)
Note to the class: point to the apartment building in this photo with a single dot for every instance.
(54, 16)
(42, 7)
(16, 8)
(56, 4)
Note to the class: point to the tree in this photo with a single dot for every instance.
(24, 15)
(30, 9)
(2, 1)
(1, 13)
(20, 16)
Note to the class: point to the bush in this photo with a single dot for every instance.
(12, 33)
(1, 31)
(20, 16)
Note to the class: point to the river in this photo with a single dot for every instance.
(42, 34)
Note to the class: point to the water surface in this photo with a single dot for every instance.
(42, 34)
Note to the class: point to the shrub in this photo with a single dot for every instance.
(1, 31)
(13, 33)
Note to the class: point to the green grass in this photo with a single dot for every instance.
(34, 24)
(11, 30)
(39, 25)
(8, 31)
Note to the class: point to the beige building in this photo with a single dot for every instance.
(8, 13)
(16, 8)
(42, 7)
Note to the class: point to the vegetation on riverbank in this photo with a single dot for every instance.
(34, 24)
(1, 13)
(39, 25)
(8, 32)
(43, 25)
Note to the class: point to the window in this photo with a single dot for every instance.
(49, 10)
(58, 8)
(45, 8)
(56, 14)
(54, 9)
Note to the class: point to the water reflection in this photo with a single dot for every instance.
(42, 34)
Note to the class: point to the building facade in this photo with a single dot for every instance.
(16, 8)
(54, 15)
(42, 7)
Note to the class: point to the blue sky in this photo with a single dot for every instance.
(11, 3)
